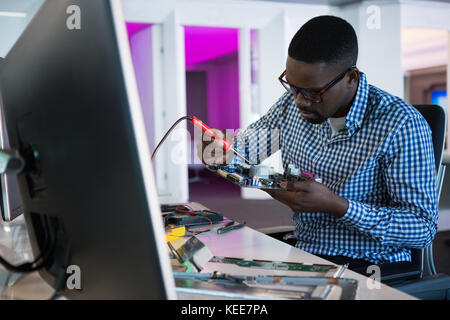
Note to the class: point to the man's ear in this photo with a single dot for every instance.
(353, 77)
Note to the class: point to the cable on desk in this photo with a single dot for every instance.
(191, 212)
(42, 258)
(200, 230)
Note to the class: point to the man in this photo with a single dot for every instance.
(372, 150)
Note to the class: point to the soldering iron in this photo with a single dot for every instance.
(226, 144)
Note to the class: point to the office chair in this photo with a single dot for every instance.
(411, 280)
(433, 286)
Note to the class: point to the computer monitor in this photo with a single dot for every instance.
(10, 201)
(72, 110)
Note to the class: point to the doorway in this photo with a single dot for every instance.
(212, 95)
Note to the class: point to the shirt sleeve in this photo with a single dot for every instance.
(410, 174)
(262, 138)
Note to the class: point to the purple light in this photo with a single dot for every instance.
(203, 47)
(134, 27)
(206, 43)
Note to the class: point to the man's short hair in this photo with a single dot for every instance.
(325, 39)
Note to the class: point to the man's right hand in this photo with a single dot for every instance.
(210, 151)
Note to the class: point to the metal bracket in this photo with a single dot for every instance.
(11, 162)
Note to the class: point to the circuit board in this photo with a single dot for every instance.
(261, 177)
(271, 265)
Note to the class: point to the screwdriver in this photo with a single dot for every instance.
(227, 145)
(229, 227)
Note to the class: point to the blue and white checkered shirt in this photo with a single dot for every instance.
(382, 163)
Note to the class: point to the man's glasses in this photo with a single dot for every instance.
(313, 96)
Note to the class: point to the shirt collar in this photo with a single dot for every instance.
(357, 111)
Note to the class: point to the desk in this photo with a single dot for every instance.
(247, 243)
(243, 243)
(250, 244)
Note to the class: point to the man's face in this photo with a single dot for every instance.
(335, 102)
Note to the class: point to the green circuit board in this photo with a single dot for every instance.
(273, 265)
(259, 176)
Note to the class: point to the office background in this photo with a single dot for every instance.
(219, 61)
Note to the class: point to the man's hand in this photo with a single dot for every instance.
(210, 151)
(310, 196)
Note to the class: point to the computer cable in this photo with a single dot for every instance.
(39, 261)
(180, 209)
(200, 230)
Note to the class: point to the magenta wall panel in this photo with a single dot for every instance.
(215, 51)
(206, 43)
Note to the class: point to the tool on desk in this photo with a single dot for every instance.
(173, 207)
(229, 223)
(226, 144)
(184, 216)
(334, 280)
(174, 233)
(191, 252)
(229, 226)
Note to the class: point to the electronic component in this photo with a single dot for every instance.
(230, 226)
(181, 217)
(274, 265)
(192, 253)
(306, 287)
(173, 207)
(261, 177)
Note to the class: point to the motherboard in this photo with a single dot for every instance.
(261, 176)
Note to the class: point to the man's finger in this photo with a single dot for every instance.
(269, 191)
(281, 195)
(218, 134)
(287, 198)
(297, 186)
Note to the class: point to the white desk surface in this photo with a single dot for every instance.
(247, 243)
(244, 243)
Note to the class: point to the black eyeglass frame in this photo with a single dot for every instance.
(313, 97)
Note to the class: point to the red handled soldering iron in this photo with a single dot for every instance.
(227, 145)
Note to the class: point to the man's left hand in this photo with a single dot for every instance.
(310, 196)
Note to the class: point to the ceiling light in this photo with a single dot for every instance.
(13, 14)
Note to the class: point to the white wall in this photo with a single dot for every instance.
(12, 27)
(378, 28)
(424, 48)
(141, 53)
(425, 25)
(425, 14)
(15, 27)
(218, 13)
(174, 79)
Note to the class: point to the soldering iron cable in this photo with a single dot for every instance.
(227, 145)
